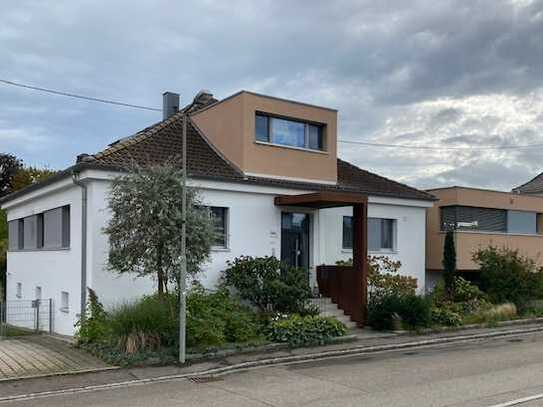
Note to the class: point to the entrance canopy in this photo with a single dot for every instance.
(345, 285)
(321, 200)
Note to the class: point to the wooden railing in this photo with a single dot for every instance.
(340, 284)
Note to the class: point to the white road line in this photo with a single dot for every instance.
(519, 401)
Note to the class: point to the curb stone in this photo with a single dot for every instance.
(272, 347)
(282, 360)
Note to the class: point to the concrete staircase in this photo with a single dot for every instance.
(328, 309)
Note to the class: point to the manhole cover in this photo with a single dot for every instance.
(205, 379)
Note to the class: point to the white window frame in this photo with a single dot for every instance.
(394, 248)
(226, 246)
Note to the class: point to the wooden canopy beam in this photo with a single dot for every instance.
(323, 199)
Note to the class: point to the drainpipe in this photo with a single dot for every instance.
(76, 180)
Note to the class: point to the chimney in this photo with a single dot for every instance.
(85, 158)
(170, 104)
(203, 97)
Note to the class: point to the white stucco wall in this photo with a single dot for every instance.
(52, 270)
(410, 234)
(254, 228)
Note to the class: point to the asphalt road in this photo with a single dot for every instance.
(478, 374)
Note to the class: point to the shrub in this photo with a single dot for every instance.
(145, 325)
(268, 284)
(446, 315)
(151, 324)
(506, 276)
(464, 292)
(384, 277)
(92, 327)
(412, 310)
(215, 318)
(495, 313)
(467, 300)
(309, 330)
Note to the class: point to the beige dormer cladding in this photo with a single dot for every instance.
(230, 126)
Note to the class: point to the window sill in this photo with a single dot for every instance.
(58, 249)
(220, 249)
(65, 310)
(308, 150)
(374, 252)
(380, 252)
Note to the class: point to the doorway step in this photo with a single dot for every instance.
(328, 309)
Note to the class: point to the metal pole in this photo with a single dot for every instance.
(183, 271)
(50, 316)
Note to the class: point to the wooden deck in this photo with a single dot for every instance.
(38, 355)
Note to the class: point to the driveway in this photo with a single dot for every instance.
(38, 355)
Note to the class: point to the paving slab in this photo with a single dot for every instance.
(39, 355)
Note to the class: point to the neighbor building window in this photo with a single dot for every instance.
(381, 234)
(522, 222)
(468, 218)
(287, 132)
(19, 290)
(220, 220)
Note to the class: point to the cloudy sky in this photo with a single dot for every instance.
(458, 74)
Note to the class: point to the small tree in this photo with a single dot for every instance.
(449, 264)
(145, 226)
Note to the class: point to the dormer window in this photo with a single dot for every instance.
(289, 132)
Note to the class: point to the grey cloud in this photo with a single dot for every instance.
(398, 72)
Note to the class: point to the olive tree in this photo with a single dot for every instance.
(145, 227)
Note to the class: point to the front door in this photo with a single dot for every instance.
(295, 239)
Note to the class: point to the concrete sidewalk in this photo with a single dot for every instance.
(37, 355)
(367, 343)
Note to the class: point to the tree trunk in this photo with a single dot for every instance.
(160, 272)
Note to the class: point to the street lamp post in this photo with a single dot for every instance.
(183, 271)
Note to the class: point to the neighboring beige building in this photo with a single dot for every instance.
(482, 218)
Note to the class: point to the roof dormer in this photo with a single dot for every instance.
(270, 137)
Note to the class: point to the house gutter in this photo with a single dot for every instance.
(77, 181)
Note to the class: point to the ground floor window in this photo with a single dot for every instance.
(47, 230)
(220, 219)
(381, 234)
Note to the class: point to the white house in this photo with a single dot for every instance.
(269, 169)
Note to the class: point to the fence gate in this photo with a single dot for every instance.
(26, 315)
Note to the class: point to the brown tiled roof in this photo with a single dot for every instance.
(162, 142)
(534, 186)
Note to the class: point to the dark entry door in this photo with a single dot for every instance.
(295, 239)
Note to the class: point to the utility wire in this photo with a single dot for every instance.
(76, 96)
(505, 147)
(354, 142)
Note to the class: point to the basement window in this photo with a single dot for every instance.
(64, 301)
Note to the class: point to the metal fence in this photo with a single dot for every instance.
(28, 315)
